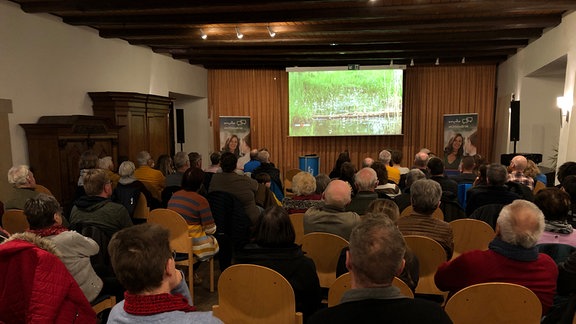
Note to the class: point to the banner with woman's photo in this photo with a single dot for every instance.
(460, 138)
(235, 137)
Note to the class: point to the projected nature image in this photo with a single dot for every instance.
(345, 103)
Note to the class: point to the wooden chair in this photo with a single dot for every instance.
(141, 211)
(438, 214)
(41, 189)
(180, 242)
(250, 293)
(107, 303)
(538, 185)
(430, 255)
(494, 302)
(14, 221)
(470, 234)
(324, 249)
(297, 220)
(343, 284)
(288, 181)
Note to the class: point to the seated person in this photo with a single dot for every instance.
(43, 215)
(494, 192)
(555, 204)
(375, 257)
(264, 197)
(107, 165)
(128, 190)
(23, 187)
(196, 211)
(385, 188)
(274, 247)
(88, 161)
(466, 174)
(332, 217)
(96, 208)
(511, 257)
(153, 179)
(156, 291)
(305, 196)
(181, 164)
(365, 182)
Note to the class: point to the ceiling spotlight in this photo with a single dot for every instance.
(203, 34)
(238, 33)
(463, 60)
(412, 62)
(437, 61)
(272, 33)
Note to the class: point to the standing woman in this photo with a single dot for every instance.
(232, 145)
(453, 152)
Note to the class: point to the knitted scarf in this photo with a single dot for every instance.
(513, 252)
(49, 231)
(143, 305)
(561, 227)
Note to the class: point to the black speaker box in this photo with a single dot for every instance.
(180, 126)
(514, 121)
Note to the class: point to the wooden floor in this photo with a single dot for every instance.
(203, 298)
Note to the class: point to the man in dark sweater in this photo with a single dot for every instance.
(376, 255)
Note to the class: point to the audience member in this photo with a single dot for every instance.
(245, 148)
(532, 171)
(156, 290)
(517, 166)
(181, 164)
(403, 200)
(214, 163)
(107, 165)
(251, 165)
(482, 178)
(342, 157)
(96, 208)
(242, 187)
(153, 179)
(569, 185)
(347, 173)
(332, 217)
(365, 181)
(164, 165)
(396, 162)
(264, 197)
(44, 216)
(385, 188)
(393, 174)
(322, 181)
(466, 174)
(384, 207)
(495, 192)
(555, 204)
(232, 145)
(88, 161)
(565, 302)
(436, 168)
(421, 162)
(23, 187)
(195, 159)
(425, 195)
(511, 257)
(367, 162)
(471, 144)
(566, 169)
(274, 248)
(127, 192)
(270, 169)
(375, 257)
(305, 196)
(453, 152)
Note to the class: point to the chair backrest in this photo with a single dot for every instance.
(470, 234)
(324, 249)
(41, 189)
(494, 302)
(106, 302)
(438, 214)
(297, 220)
(288, 181)
(14, 221)
(538, 185)
(462, 193)
(557, 251)
(100, 260)
(488, 213)
(430, 255)
(344, 283)
(250, 293)
(179, 238)
(141, 211)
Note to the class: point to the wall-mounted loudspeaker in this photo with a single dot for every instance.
(180, 126)
(514, 121)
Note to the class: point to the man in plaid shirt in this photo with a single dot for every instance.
(517, 166)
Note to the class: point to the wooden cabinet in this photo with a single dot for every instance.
(55, 144)
(145, 121)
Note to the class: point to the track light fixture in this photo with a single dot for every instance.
(203, 34)
(437, 61)
(271, 32)
(238, 33)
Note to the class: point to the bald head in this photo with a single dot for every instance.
(520, 223)
(338, 193)
(518, 163)
(367, 162)
(421, 159)
(366, 179)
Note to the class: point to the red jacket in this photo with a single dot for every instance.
(36, 287)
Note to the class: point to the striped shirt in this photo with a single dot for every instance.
(195, 210)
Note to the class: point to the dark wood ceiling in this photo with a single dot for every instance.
(317, 33)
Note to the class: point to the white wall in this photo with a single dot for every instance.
(540, 124)
(48, 67)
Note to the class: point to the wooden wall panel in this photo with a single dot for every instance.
(430, 92)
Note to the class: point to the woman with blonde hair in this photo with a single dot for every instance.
(305, 196)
